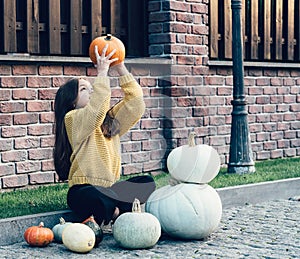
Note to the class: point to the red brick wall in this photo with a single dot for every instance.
(26, 119)
(202, 92)
(27, 96)
(191, 94)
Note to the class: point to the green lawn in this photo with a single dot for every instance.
(53, 197)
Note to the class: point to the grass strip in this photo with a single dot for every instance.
(53, 197)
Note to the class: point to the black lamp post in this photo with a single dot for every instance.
(240, 156)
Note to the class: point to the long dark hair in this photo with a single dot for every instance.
(65, 101)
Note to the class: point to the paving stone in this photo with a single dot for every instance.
(265, 230)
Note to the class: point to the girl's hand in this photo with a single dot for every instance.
(103, 61)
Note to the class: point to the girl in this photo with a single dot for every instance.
(87, 143)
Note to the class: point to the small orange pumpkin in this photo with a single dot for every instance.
(113, 43)
(38, 235)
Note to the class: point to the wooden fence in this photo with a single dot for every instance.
(66, 27)
(271, 30)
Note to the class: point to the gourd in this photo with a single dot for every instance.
(38, 235)
(113, 43)
(193, 163)
(78, 238)
(91, 222)
(186, 211)
(188, 208)
(59, 228)
(136, 229)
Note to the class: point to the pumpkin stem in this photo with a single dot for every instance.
(192, 139)
(173, 181)
(62, 221)
(136, 206)
(108, 37)
(41, 224)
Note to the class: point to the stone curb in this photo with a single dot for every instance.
(12, 229)
(260, 192)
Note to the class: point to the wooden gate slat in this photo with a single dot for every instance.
(134, 39)
(278, 29)
(33, 26)
(214, 25)
(54, 27)
(290, 24)
(115, 17)
(96, 18)
(254, 29)
(267, 29)
(75, 27)
(9, 30)
(228, 29)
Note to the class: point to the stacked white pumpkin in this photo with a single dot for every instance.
(189, 208)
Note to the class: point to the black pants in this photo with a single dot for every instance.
(86, 200)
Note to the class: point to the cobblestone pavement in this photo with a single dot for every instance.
(265, 230)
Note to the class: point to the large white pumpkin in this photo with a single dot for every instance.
(79, 238)
(186, 211)
(136, 229)
(194, 163)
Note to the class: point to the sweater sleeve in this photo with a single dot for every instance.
(132, 107)
(80, 123)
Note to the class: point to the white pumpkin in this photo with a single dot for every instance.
(194, 163)
(79, 238)
(186, 211)
(136, 229)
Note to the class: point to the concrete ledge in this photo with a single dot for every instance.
(226, 63)
(12, 229)
(25, 57)
(254, 193)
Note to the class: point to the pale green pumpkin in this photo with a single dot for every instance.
(136, 229)
(59, 228)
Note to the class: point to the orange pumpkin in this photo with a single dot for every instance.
(113, 43)
(38, 235)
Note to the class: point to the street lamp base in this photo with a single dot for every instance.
(237, 169)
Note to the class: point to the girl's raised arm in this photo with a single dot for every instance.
(80, 123)
(132, 107)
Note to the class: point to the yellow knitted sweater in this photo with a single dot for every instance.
(96, 159)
